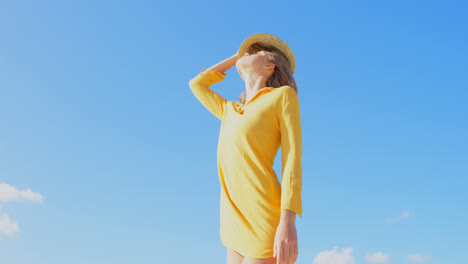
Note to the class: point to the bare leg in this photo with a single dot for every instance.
(247, 260)
(233, 257)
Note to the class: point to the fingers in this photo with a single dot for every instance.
(293, 253)
(279, 253)
(274, 250)
(290, 253)
(296, 253)
(290, 258)
(285, 253)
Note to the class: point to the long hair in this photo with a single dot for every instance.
(282, 74)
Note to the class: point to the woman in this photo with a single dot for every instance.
(257, 212)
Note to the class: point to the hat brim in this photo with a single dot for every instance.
(272, 40)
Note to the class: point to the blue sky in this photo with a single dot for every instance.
(107, 157)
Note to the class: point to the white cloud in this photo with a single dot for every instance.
(9, 193)
(418, 258)
(7, 226)
(378, 257)
(335, 257)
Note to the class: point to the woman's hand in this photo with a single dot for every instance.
(223, 65)
(286, 247)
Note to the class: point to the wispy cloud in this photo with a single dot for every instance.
(418, 258)
(7, 226)
(378, 257)
(403, 216)
(335, 257)
(8, 193)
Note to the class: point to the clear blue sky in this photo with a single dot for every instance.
(97, 120)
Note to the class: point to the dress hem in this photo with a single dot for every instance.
(245, 254)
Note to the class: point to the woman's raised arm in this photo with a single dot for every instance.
(200, 86)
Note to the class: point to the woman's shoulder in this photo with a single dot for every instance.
(286, 88)
(287, 91)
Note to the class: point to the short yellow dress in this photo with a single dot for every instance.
(251, 196)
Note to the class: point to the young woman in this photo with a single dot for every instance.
(257, 212)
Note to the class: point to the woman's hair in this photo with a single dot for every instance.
(282, 74)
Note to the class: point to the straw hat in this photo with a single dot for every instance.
(272, 40)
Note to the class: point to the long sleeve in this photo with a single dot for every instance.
(291, 145)
(200, 86)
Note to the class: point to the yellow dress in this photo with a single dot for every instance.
(251, 196)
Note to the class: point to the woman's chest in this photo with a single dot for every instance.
(258, 121)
